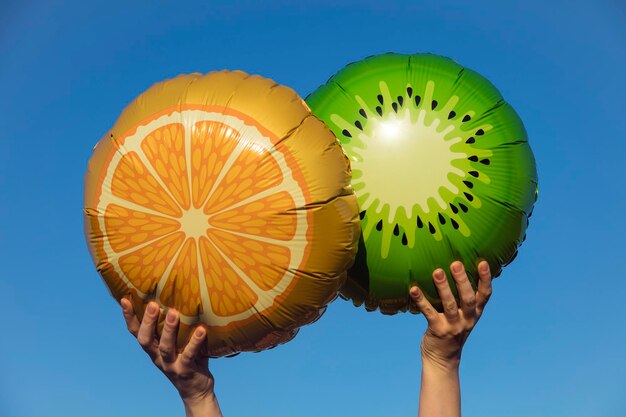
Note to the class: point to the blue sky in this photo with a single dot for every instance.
(552, 338)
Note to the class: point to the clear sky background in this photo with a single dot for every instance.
(552, 341)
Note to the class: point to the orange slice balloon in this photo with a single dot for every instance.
(222, 197)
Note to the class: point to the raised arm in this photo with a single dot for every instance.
(440, 394)
(188, 371)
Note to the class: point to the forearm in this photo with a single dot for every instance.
(207, 407)
(440, 394)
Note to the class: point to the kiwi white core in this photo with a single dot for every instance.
(416, 155)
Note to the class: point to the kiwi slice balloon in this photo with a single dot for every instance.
(441, 167)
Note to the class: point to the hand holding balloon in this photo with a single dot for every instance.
(448, 331)
(446, 334)
(188, 371)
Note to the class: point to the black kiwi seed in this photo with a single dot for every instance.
(480, 132)
(379, 110)
(396, 230)
(400, 100)
(454, 223)
(358, 125)
(404, 241)
(346, 133)
(463, 207)
(485, 161)
(466, 118)
(470, 140)
(431, 228)
(362, 113)
(469, 196)
(473, 174)
(473, 158)
(442, 220)
(380, 98)
(468, 184)
(454, 209)
(395, 107)
(419, 222)
(433, 105)
(409, 91)
(379, 225)
(417, 100)
(362, 214)
(451, 115)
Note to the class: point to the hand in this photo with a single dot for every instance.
(447, 332)
(189, 370)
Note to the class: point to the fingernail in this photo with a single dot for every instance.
(199, 332)
(484, 267)
(415, 292)
(152, 309)
(439, 275)
(171, 317)
(457, 267)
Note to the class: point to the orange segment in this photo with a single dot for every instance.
(264, 263)
(267, 217)
(228, 293)
(132, 181)
(253, 171)
(127, 227)
(211, 145)
(182, 288)
(165, 149)
(144, 267)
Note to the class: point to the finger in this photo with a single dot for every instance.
(464, 288)
(450, 308)
(147, 329)
(132, 323)
(194, 346)
(167, 344)
(484, 286)
(424, 305)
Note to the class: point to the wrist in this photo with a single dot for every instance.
(197, 393)
(206, 405)
(199, 399)
(445, 363)
(444, 354)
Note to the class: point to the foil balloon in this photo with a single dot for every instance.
(442, 170)
(222, 197)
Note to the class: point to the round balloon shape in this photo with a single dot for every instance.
(441, 167)
(222, 197)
